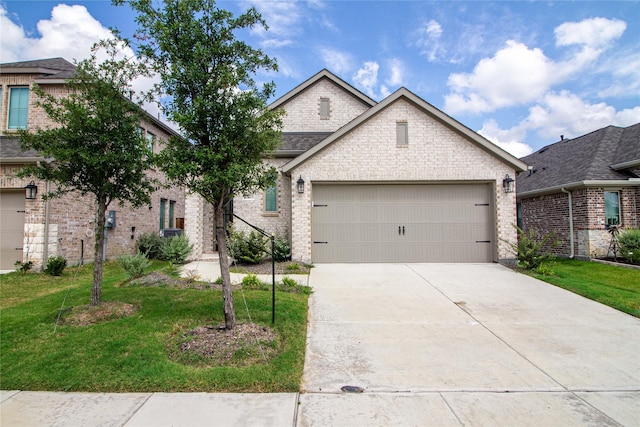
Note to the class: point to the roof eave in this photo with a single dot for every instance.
(631, 182)
(27, 70)
(50, 81)
(21, 160)
(626, 165)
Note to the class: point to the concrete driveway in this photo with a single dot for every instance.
(464, 344)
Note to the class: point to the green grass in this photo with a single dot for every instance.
(617, 287)
(132, 354)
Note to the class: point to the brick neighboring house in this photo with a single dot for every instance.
(35, 230)
(584, 185)
(360, 181)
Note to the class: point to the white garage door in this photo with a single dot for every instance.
(402, 223)
(11, 228)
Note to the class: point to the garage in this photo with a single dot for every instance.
(11, 228)
(403, 223)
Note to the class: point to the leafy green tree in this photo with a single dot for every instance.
(96, 148)
(210, 92)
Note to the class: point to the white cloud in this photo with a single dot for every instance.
(337, 61)
(595, 32)
(367, 77)
(397, 68)
(427, 39)
(514, 75)
(518, 75)
(558, 113)
(283, 19)
(509, 140)
(69, 33)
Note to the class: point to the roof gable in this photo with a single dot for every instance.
(428, 109)
(323, 74)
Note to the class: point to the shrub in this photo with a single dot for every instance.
(290, 285)
(251, 281)
(629, 244)
(176, 249)
(23, 266)
(529, 249)
(134, 265)
(250, 249)
(282, 249)
(150, 244)
(55, 265)
(294, 266)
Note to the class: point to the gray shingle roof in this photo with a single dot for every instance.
(588, 157)
(10, 149)
(300, 141)
(52, 68)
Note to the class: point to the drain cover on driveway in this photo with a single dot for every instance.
(351, 389)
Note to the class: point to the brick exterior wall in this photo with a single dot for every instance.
(550, 214)
(303, 110)
(70, 219)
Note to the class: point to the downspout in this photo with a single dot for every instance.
(570, 220)
(45, 246)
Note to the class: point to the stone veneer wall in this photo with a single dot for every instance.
(435, 153)
(70, 219)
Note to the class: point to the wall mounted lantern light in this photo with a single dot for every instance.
(300, 185)
(507, 183)
(31, 189)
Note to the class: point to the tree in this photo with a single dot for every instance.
(97, 148)
(207, 79)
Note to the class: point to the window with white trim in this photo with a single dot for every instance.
(150, 140)
(18, 107)
(612, 208)
(271, 198)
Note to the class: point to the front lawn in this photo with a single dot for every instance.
(617, 287)
(137, 353)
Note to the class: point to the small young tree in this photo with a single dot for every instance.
(207, 74)
(96, 148)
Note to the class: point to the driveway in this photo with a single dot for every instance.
(464, 344)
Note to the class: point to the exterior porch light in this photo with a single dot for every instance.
(31, 189)
(507, 183)
(300, 185)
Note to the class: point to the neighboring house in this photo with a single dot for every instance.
(360, 181)
(35, 230)
(578, 188)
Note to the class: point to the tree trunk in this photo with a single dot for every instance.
(227, 295)
(96, 290)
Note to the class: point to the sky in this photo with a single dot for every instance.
(520, 73)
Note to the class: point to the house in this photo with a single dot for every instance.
(578, 188)
(35, 229)
(361, 181)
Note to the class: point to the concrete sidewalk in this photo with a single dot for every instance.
(428, 344)
(210, 270)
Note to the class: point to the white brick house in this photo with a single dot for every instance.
(395, 181)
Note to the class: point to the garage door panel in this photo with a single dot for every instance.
(402, 223)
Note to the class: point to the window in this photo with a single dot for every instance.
(172, 205)
(18, 107)
(402, 134)
(612, 208)
(325, 110)
(163, 205)
(150, 139)
(271, 198)
(519, 215)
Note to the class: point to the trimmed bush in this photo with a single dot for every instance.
(150, 244)
(251, 281)
(629, 245)
(134, 265)
(55, 265)
(176, 249)
(250, 249)
(282, 249)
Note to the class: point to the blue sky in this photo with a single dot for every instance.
(521, 73)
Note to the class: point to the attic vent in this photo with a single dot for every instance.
(325, 110)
